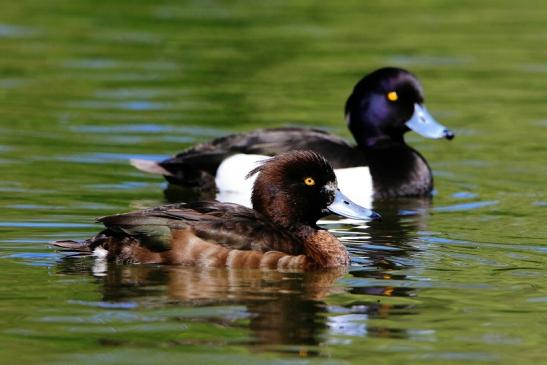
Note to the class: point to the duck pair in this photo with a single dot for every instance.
(291, 192)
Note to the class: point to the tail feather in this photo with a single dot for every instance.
(151, 167)
(81, 246)
(86, 246)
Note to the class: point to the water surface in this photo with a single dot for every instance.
(85, 85)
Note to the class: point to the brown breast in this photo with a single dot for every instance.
(325, 250)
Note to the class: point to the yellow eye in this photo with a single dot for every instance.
(392, 96)
(309, 181)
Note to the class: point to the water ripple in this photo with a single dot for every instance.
(16, 31)
(465, 206)
(44, 225)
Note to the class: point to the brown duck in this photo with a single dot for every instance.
(292, 191)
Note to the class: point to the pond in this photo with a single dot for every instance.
(86, 85)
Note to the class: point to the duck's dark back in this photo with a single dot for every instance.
(206, 157)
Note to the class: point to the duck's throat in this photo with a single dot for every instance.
(322, 248)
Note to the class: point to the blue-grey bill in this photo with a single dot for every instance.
(424, 124)
(343, 206)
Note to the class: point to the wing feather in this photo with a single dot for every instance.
(205, 158)
(226, 224)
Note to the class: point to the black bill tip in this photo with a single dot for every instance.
(375, 217)
(448, 134)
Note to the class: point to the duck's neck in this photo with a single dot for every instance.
(321, 247)
(396, 169)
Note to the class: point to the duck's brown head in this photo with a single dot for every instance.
(297, 188)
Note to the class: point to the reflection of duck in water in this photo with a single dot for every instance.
(403, 218)
(391, 247)
(292, 191)
(385, 245)
(278, 309)
(386, 252)
(382, 107)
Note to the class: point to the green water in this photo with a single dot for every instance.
(85, 85)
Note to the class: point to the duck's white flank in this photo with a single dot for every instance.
(355, 182)
(231, 181)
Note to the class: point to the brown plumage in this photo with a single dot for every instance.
(292, 191)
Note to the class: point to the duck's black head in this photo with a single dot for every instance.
(387, 103)
(298, 187)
